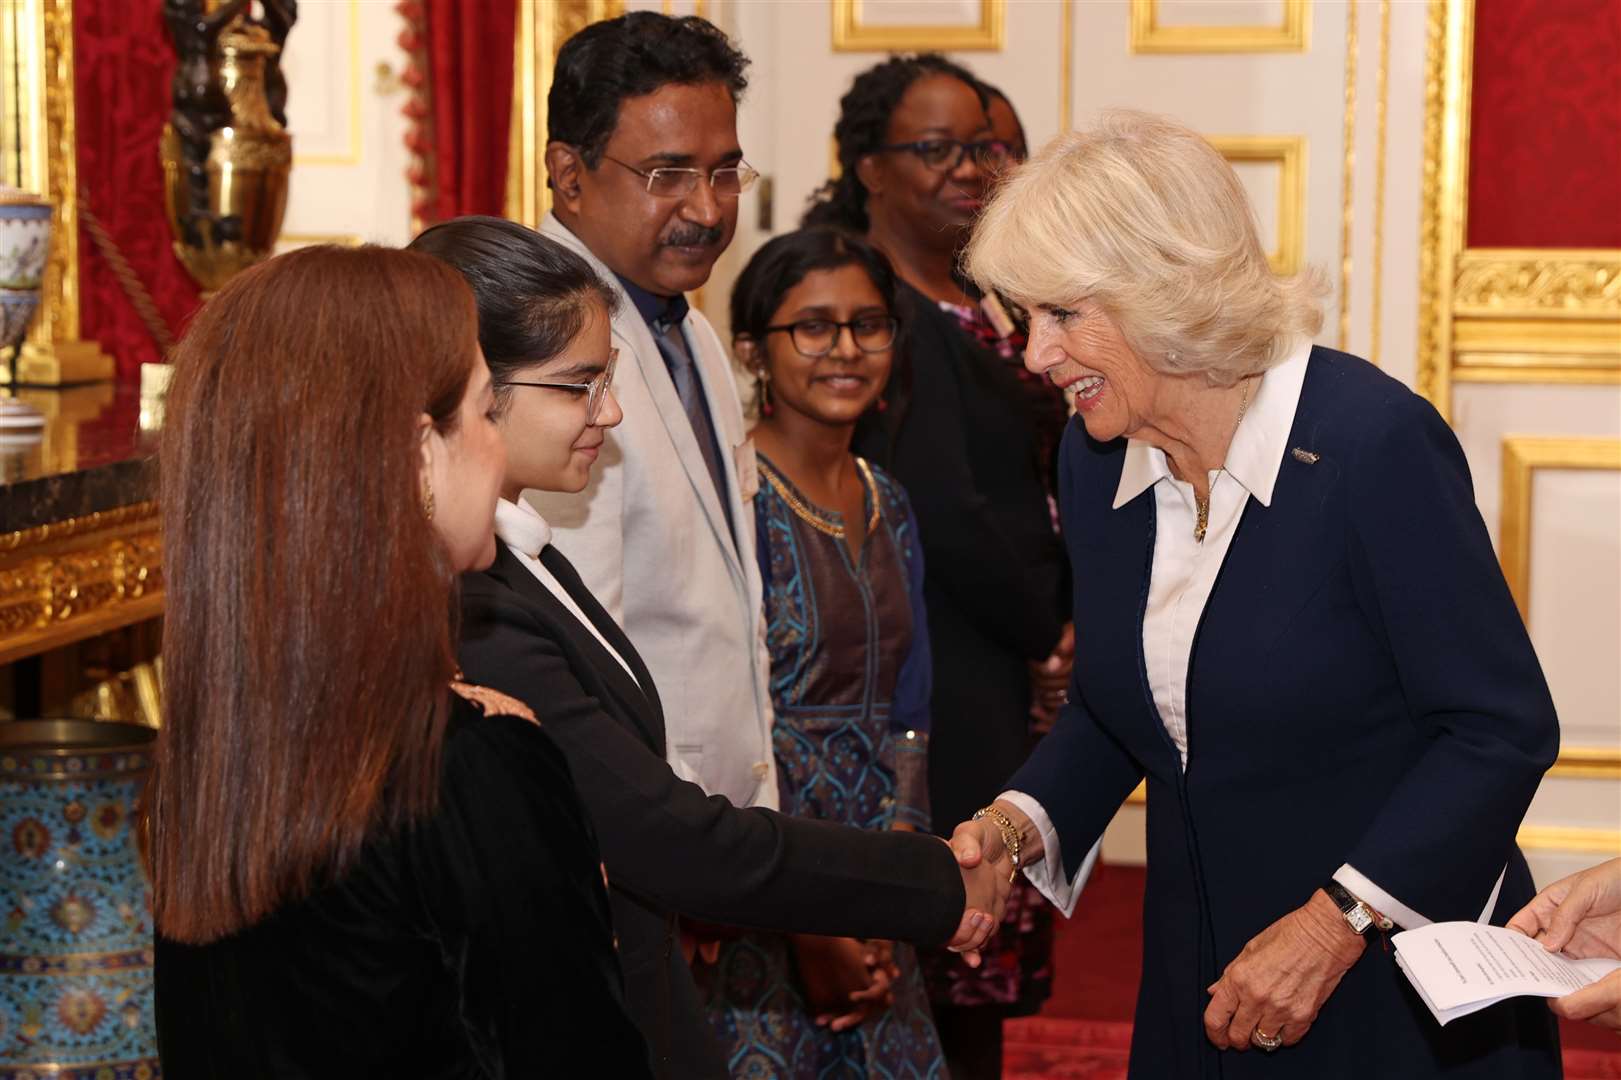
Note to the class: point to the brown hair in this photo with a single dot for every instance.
(307, 637)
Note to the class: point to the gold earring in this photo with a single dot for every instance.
(427, 499)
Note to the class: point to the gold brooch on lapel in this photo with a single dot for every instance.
(1305, 457)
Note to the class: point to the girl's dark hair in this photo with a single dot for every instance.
(632, 55)
(534, 295)
(863, 127)
(291, 442)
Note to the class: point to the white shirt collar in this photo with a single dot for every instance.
(1256, 452)
(521, 527)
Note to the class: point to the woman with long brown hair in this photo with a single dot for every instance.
(360, 864)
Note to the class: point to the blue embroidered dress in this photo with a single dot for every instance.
(850, 683)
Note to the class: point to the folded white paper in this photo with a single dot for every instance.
(1462, 967)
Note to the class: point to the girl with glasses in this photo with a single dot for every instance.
(530, 626)
(813, 318)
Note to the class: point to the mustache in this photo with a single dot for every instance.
(694, 236)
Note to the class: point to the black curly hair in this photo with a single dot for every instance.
(635, 54)
(863, 127)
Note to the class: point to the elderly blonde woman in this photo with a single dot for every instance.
(1289, 622)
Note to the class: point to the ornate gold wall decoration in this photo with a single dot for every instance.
(851, 33)
(1548, 315)
(74, 579)
(1149, 36)
(543, 26)
(1534, 281)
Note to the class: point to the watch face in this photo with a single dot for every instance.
(1359, 918)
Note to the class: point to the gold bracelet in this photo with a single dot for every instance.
(1010, 834)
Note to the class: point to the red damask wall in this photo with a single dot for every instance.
(1545, 129)
(122, 65)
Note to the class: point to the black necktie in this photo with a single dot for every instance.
(684, 373)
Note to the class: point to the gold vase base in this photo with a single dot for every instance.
(212, 266)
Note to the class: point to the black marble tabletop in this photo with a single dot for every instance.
(92, 456)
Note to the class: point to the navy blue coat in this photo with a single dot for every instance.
(1361, 690)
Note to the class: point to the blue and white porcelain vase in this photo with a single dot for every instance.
(76, 952)
(25, 248)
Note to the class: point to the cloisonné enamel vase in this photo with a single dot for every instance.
(76, 951)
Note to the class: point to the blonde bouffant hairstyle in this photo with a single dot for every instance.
(1141, 216)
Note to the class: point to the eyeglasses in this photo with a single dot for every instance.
(815, 338)
(665, 183)
(944, 155)
(596, 390)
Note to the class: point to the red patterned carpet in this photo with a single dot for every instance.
(1084, 1033)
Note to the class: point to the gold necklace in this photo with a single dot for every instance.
(810, 515)
(1201, 503)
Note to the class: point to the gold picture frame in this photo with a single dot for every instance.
(1149, 36)
(851, 34)
(1288, 152)
(1522, 456)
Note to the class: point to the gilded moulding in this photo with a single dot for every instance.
(75, 579)
(1522, 456)
(1148, 36)
(851, 34)
(1535, 281)
(1288, 153)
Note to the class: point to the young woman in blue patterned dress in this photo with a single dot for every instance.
(813, 318)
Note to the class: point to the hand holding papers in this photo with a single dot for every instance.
(1462, 967)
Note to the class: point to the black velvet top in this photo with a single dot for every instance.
(477, 943)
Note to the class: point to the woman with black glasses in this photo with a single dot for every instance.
(917, 154)
(812, 318)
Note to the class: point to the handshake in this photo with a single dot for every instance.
(990, 850)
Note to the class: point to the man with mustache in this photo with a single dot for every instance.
(645, 172)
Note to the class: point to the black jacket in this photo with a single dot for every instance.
(959, 434)
(474, 943)
(669, 848)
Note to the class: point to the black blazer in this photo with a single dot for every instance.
(669, 848)
(1361, 690)
(959, 434)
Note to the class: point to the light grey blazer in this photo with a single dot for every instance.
(650, 540)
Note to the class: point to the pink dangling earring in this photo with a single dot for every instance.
(883, 404)
(766, 408)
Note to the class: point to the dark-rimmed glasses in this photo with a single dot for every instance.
(944, 155)
(596, 390)
(815, 338)
(668, 183)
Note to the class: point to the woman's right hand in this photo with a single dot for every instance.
(1579, 914)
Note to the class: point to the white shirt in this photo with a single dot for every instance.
(523, 530)
(1180, 581)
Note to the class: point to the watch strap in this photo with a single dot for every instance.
(1358, 915)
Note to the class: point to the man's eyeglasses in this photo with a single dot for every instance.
(596, 390)
(815, 338)
(944, 155)
(665, 183)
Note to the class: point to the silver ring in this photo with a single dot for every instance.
(1267, 1042)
